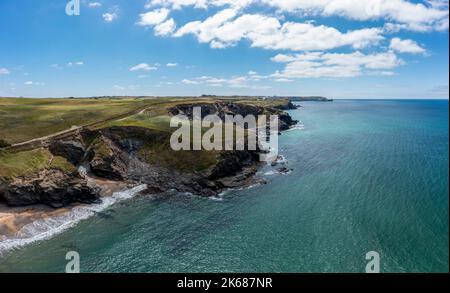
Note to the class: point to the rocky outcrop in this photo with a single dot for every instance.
(107, 160)
(228, 108)
(287, 106)
(52, 187)
(73, 150)
(232, 162)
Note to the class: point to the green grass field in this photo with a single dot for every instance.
(27, 162)
(23, 119)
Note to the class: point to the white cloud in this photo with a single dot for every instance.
(143, 67)
(334, 65)
(154, 17)
(165, 28)
(172, 64)
(4, 71)
(179, 4)
(190, 82)
(251, 72)
(206, 30)
(110, 16)
(406, 46)
(428, 15)
(233, 82)
(94, 4)
(415, 16)
(283, 80)
(118, 87)
(29, 82)
(70, 64)
(223, 29)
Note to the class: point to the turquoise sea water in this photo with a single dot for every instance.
(368, 176)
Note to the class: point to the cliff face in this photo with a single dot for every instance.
(52, 187)
(229, 108)
(137, 155)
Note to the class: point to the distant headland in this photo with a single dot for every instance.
(290, 98)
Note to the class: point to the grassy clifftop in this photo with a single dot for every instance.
(27, 162)
(22, 119)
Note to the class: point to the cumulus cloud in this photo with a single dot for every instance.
(334, 65)
(428, 15)
(94, 4)
(413, 16)
(4, 71)
(143, 67)
(110, 16)
(172, 64)
(179, 4)
(165, 28)
(406, 46)
(263, 25)
(223, 30)
(153, 17)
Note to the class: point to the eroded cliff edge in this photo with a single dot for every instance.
(134, 155)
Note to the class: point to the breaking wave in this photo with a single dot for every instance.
(46, 228)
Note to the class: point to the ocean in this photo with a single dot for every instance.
(368, 175)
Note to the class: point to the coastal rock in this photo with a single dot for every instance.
(287, 106)
(228, 108)
(107, 160)
(230, 163)
(52, 187)
(72, 150)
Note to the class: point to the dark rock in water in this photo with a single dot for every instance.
(52, 187)
(243, 178)
(286, 121)
(284, 170)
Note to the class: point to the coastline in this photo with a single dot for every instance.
(20, 226)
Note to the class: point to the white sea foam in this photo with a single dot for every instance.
(268, 173)
(299, 126)
(281, 160)
(216, 198)
(46, 228)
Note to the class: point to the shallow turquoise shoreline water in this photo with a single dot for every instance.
(368, 175)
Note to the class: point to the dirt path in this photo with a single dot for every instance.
(72, 129)
(33, 142)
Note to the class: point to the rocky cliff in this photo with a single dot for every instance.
(136, 155)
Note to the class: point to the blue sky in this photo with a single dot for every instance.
(334, 48)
